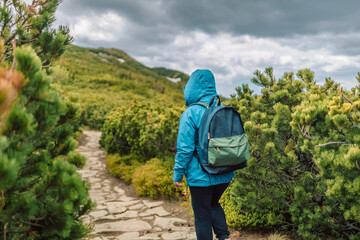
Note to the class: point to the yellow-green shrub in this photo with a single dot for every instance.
(122, 166)
(154, 180)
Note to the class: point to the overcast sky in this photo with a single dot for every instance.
(232, 38)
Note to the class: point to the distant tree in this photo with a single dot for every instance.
(28, 22)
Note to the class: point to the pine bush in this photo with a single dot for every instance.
(303, 174)
(42, 196)
(29, 22)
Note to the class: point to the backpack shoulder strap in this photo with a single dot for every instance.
(200, 103)
(205, 105)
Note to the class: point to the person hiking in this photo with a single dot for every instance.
(205, 189)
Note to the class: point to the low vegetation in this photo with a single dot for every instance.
(104, 79)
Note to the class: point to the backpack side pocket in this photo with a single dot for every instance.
(228, 151)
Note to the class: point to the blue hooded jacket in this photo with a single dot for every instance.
(199, 88)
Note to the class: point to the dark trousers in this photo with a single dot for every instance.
(208, 212)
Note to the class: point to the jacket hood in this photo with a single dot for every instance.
(200, 87)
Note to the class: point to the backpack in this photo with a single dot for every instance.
(223, 144)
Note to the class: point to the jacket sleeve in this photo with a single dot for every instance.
(185, 145)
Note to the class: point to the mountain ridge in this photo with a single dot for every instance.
(105, 78)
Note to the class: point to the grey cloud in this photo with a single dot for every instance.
(154, 25)
(274, 18)
(340, 44)
(284, 18)
(137, 11)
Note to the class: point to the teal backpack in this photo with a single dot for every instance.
(223, 144)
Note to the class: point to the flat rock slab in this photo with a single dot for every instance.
(107, 217)
(96, 186)
(137, 207)
(98, 199)
(169, 223)
(128, 236)
(174, 236)
(151, 204)
(160, 211)
(97, 214)
(119, 190)
(127, 214)
(122, 204)
(126, 199)
(151, 236)
(132, 225)
(115, 207)
(87, 173)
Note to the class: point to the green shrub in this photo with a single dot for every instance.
(142, 130)
(304, 170)
(76, 158)
(154, 180)
(238, 214)
(122, 166)
(326, 201)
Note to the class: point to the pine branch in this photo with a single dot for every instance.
(33, 99)
(4, 26)
(2, 200)
(13, 42)
(347, 99)
(352, 227)
(357, 165)
(23, 188)
(343, 96)
(305, 131)
(17, 21)
(45, 65)
(332, 143)
(30, 40)
(30, 223)
(5, 231)
(14, 34)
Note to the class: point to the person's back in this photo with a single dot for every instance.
(205, 189)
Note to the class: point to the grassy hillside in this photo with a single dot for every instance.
(102, 79)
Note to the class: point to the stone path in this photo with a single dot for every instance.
(118, 216)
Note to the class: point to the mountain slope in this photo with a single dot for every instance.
(103, 79)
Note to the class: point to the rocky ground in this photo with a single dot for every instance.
(120, 214)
